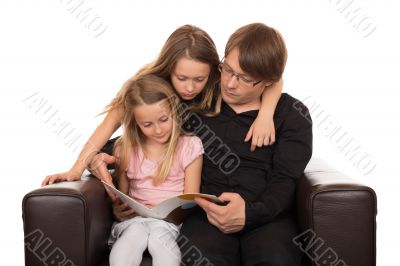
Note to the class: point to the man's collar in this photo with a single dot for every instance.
(226, 109)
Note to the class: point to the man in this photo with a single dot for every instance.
(256, 226)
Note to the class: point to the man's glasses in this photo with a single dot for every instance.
(226, 70)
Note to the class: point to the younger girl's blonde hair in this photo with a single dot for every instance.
(146, 90)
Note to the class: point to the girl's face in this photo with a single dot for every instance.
(155, 121)
(190, 77)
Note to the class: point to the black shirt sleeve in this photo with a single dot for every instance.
(291, 154)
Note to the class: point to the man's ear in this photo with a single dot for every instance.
(268, 84)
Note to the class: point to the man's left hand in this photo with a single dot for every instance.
(230, 218)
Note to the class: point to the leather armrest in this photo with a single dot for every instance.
(67, 221)
(341, 212)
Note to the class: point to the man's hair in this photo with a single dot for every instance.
(262, 51)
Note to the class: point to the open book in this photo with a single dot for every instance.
(174, 209)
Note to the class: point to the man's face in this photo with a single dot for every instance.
(236, 93)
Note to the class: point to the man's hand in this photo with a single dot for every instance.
(230, 218)
(122, 211)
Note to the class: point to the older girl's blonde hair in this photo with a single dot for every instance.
(146, 89)
(191, 42)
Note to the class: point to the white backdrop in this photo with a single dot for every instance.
(71, 57)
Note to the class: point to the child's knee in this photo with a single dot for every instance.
(165, 255)
(161, 241)
(128, 249)
(120, 257)
(164, 248)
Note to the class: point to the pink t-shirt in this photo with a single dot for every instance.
(140, 171)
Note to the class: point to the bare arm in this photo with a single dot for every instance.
(99, 137)
(123, 183)
(193, 176)
(270, 98)
(121, 210)
(262, 131)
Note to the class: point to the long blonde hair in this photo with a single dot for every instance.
(186, 41)
(146, 89)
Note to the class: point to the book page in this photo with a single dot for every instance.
(139, 208)
(185, 201)
(177, 204)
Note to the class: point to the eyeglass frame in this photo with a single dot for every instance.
(238, 77)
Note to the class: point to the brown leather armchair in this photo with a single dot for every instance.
(68, 223)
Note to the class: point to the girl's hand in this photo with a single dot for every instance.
(122, 211)
(261, 132)
(71, 175)
(98, 166)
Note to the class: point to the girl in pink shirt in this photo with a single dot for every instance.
(155, 161)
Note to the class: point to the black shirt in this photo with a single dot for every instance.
(264, 178)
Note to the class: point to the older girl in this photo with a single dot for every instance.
(189, 61)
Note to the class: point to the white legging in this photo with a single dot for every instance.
(133, 236)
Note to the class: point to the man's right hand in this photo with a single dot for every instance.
(122, 211)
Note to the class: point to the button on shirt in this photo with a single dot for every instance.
(266, 177)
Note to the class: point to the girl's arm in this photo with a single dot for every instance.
(122, 178)
(262, 131)
(121, 210)
(123, 183)
(103, 132)
(193, 176)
